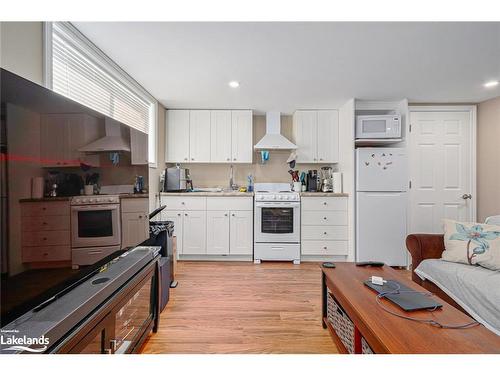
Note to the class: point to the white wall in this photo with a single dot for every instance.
(21, 49)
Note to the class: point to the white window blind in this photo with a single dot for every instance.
(80, 71)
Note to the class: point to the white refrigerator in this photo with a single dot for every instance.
(381, 205)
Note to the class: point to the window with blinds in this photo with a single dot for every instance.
(80, 71)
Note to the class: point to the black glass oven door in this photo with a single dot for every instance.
(277, 220)
(98, 223)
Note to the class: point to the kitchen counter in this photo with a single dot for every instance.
(210, 194)
(55, 199)
(45, 199)
(322, 194)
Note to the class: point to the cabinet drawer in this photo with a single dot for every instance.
(43, 223)
(324, 203)
(229, 203)
(324, 232)
(324, 247)
(90, 255)
(135, 205)
(46, 253)
(185, 203)
(324, 218)
(46, 238)
(45, 208)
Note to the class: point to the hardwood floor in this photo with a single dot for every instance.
(229, 307)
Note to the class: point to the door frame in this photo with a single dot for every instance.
(472, 109)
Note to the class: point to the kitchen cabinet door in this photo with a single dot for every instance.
(305, 134)
(241, 233)
(194, 232)
(177, 134)
(135, 228)
(220, 136)
(199, 136)
(241, 136)
(138, 147)
(53, 141)
(328, 136)
(177, 217)
(217, 232)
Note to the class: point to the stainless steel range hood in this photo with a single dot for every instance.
(273, 140)
(112, 142)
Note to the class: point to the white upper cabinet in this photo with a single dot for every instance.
(242, 136)
(328, 136)
(209, 136)
(305, 134)
(199, 136)
(316, 136)
(61, 135)
(138, 147)
(177, 143)
(220, 136)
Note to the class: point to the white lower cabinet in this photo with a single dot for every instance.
(241, 233)
(218, 232)
(194, 236)
(135, 221)
(324, 230)
(218, 225)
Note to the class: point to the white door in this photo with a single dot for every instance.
(241, 233)
(305, 129)
(194, 232)
(199, 136)
(177, 134)
(242, 136)
(177, 218)
(217, 232)
(220, 136)
(441, 169)
(328, 136)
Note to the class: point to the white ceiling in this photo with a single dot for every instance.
(288, 66)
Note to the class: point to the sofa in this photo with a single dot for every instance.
(427, 246)
(471, 289)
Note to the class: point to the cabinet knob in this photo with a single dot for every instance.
(185, 158)
(325, 248)
(44, 238)
(178, 214)
(45, 254)
(225, 214)
(228, 159)
(185, 214)
(192, 158)
(44, 223)
(324, 203)
(315, 159)
(183, 202)
(325, 233)
(44, 208)
(140, 216)
(324, 218)
(320, 158)
(234, 159)
(233, 215)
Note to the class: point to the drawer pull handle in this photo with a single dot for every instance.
(324, 218)
(44, 223)
(325, 233)
(185, 214)
(45, 254)
(225, 214)
(233, 215)
(178, 214)
(325, 248)
(95, 252)
(183, 202)
(140, 216)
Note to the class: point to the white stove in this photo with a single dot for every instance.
(276, 223)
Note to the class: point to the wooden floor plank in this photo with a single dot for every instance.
(241, 307)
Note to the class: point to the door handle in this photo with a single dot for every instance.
(467, 196)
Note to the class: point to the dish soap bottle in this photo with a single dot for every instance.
(250, 183)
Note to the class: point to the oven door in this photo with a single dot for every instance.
(95, 225)
(277, 222)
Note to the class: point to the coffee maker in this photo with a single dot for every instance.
(326, 179)
(312, 180)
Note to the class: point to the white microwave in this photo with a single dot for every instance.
(378, 126)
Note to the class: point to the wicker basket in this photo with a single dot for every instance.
(343, 326)
(365, 348)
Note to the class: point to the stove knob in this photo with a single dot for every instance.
(288, 197)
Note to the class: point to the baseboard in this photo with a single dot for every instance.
(219, 258)
(321, 258)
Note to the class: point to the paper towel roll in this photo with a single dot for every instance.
(337, 182)
(37, 187)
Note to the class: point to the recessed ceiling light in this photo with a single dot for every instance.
(234, 84)
(491, 84)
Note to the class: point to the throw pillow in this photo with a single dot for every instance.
(472, 243)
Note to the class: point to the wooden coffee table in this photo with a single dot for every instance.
(386, 333)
